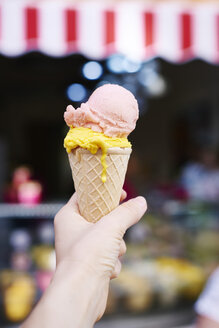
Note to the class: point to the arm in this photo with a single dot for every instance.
(87, 258)
(207, 306)
(204, 322)
(68, 302)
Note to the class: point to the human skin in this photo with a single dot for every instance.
(87, 258)
(204, 322)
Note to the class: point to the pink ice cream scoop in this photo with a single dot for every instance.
(111, 109)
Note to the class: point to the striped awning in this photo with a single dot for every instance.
(174, 31)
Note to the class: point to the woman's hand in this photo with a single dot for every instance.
(95, 248)
(70, 226)
(87, 257)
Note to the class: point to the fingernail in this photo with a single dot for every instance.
(141, 200)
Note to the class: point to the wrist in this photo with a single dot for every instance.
(85, 290)
(71, 300)
(75, 271)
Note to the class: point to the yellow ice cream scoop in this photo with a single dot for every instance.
(92, 141)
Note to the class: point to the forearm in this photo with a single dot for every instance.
(69, 301)
(204, 322)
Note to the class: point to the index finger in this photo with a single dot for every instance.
(73, 203)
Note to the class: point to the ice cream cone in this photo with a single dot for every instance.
(96, 198)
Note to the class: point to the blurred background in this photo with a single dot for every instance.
(55, 53)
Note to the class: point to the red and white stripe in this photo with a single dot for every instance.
(174, 31)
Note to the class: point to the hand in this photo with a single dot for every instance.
(95, 247)
(70, 226)
(87, 257)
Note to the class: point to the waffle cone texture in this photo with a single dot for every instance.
(95, 198)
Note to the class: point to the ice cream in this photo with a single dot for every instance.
(111, 109)
(104, 121)
(98, 147)
(92, 141)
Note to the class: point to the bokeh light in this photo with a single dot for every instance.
(115, 63)
(92, 70)
(76, 92)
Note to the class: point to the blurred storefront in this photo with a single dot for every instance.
(57, 52)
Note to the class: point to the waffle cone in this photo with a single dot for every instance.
(95, 198)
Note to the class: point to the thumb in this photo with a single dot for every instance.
(127, 214)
